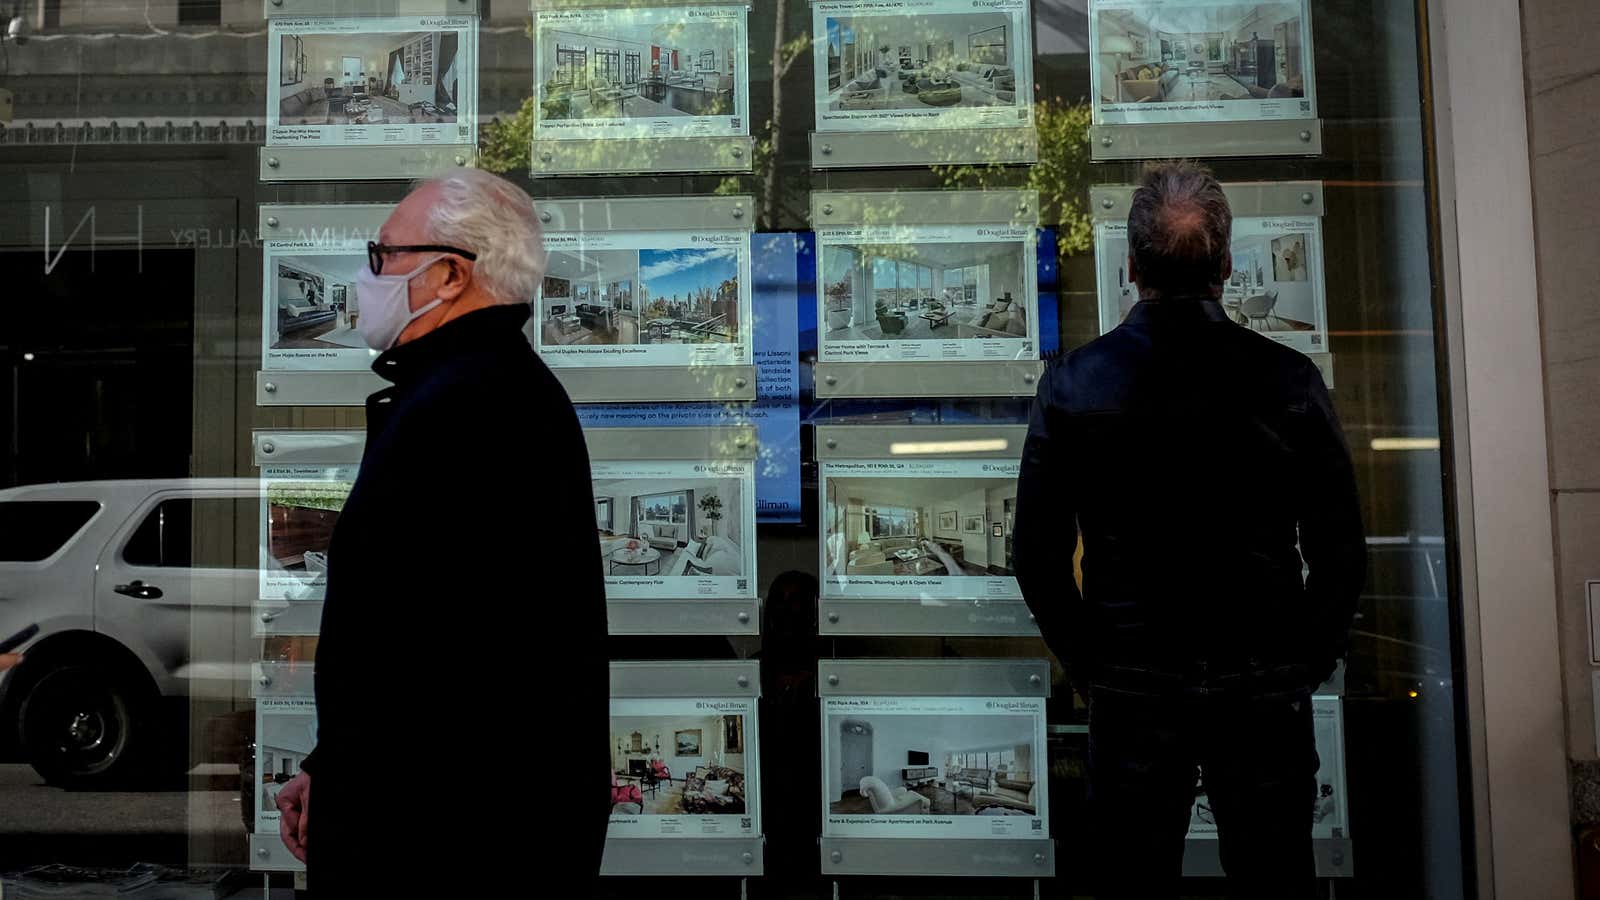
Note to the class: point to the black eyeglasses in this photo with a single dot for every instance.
(375, 252)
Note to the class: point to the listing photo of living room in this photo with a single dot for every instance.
(652, 296)
(921, 60)
(1185, 52)
(679, 765)
(672, 527)
(348, 78)
(917, 527)
(934, 764)
(1276, 287)
(285, 736)
(925, 291)
(311, 303)
(640, 64)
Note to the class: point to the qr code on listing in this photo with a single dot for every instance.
(744, 822)
(1305, 106)
(461, 130)
(1038, 824)
(744, 584)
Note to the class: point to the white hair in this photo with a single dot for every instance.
(495, 219)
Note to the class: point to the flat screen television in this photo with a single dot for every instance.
(916, 757)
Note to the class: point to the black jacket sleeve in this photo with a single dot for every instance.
(1046, 523)
(1332, 541)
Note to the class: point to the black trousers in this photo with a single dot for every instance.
(1257, 759)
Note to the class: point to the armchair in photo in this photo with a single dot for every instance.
(714, 790)
(1007, 797)
(886, 802)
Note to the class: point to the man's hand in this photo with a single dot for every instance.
(294, 804)
(7, 660)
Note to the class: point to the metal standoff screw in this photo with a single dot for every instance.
(738, 153)
(744, 681)
(827, 209)
(268, 617)
(272, 162)
(740, 382)
(268, 446)
(1038, 859)
(744, 618)
(461, 160)
(546, 156)
(272, 221)
(1027, 378)
(832, 379)
(833, 617)
(263, 852)
(1033, 680)
(827, 149)
(1032, 617)
(277, 2)
(1105, 141)
(1022, 207)
(836, 856)
(1107, 203)
(1308, 198)
(833, 443)
(738, 212)
(1306, 136)
(833, 679)
(265, 680)
(270, 387)
(545, 217)
(748, 857)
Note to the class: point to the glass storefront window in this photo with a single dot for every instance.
(853, 245)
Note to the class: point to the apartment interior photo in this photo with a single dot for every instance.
(285, 741)
(315, 302)
(644, 72)
(952, 765)
(1179, 53)
(919, 526)
(924, 291)
(911, 61)
(670, 528)
(676, 296)
(1270, 290)
(367, 79)
(678, 765)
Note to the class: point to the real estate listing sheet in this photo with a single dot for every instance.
(676, 529)
(309, 306)
(1200, 61)
(1329, 818)
(645, 298)
(911, 65)
(935, 767)
(928, 292)
(361, 81)
(919, 529)
(674, 71)
(286, 733)
(1277, 287)
(684, 768)
(300, 505)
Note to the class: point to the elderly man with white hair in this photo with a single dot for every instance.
(458, 580)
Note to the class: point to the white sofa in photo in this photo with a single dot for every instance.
(886, 802)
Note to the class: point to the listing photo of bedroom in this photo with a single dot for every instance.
(943, 765)
(313, 303)
(300, 520)
(1271, 289)
(1172, 53)
(678, 765)
(670, 527)
(639, 71)
(918, 526)
(924, 291)
(918, 61)
(678, 296)
(394, 78)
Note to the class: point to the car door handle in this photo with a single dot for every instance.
(139, 589)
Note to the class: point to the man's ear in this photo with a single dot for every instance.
(1133, 270)
(1226, 271)
(457, 273)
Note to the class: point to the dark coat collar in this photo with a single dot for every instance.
(475, 332)
(1176, 310)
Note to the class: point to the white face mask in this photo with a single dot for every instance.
(384, 303)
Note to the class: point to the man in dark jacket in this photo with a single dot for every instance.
(465, 603)
(1193, 456)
